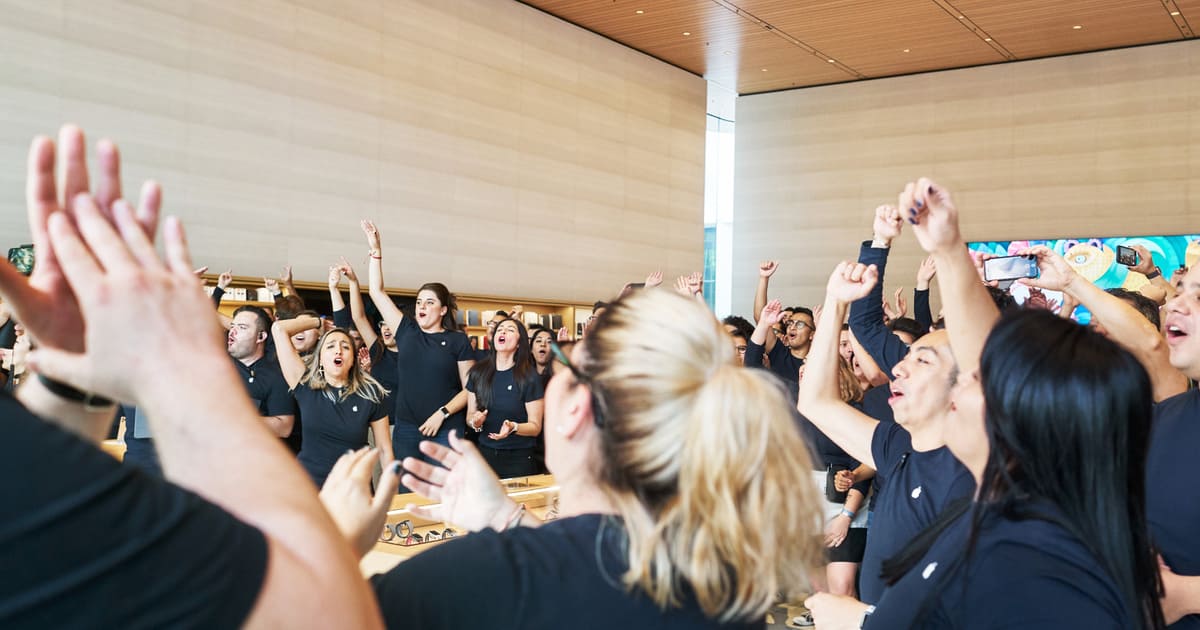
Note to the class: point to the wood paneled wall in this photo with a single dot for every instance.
(1088, 145)
(500, 150)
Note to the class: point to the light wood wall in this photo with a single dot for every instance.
(1090, 145)
(500, 150)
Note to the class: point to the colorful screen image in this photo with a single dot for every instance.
(1096, 260)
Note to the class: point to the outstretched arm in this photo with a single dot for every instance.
(969, 310)
(383, 302)
(819, 399)
(1126, 326)
(358, 312)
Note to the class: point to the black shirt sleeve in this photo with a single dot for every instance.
(97, 544)
(279, 400)
(866, 317)
(921, 311)
(217, 294)
(342, 319)
(754, 354)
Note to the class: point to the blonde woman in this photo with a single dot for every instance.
(337, 398)
(685, 499)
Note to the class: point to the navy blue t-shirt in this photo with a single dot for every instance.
(89, 543)
(564, 574)
(866, 317)
(427, 372)
(784, 365)
(332, 427)
(508, 403)
(1172, 495)
(914, 487)
(139, 451)
(1021, 574)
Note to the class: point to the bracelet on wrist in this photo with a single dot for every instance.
(847, 513)
(66, 392)
(1154, 274)
(515, 519)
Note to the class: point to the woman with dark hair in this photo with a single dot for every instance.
(543, 358)
(338, 399)
(432, 359)
(504, 402)
(1053, 422)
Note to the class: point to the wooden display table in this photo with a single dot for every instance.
(539, 493)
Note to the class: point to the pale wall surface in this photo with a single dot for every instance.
(500, 150)
(1089, 145)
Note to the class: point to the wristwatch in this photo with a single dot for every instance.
(1154, 274)
(445, 413)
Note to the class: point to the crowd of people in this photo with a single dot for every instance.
(999, 465)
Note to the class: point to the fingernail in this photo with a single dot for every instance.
(396, 467)
(912, 221)
(931, 191)
(920, 204)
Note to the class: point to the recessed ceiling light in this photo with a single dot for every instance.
(728, 52)
(962, 17)
(639, 11)
(1077, 27)
(764, 69)
(686, 33)
(987, 39)
(905, 50)
(832, 61)
(1174, 13)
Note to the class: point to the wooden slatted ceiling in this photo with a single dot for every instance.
(732, 41)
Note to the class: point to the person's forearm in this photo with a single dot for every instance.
(1167, 288)
(854, 501)
(336, 303)
(820, 382)
(1126, 325)
(760, 297)
(458, 403)
(298, 325)
(969, 310)
(90, 423)
(289, 288)
(921, 311)
(358, 314)
(281, 426)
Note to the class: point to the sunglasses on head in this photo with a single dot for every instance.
(582, 379)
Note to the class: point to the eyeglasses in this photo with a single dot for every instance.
(797, 323)
(582, 379)
(740, 349)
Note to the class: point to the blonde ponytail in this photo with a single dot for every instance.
(703, 460)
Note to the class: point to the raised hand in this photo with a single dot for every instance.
(925, 273)
(347, 496)
(771, 314)
(286, 276)
(654, 279)
(372, 233)
(335, 276)
(348, 270)
(225, 279)
(851, 281)
(930, 209)
(681, 286)
(563, 334)
(44, 301)
(1145, 264)
(901, 303)
(272, 285)
(767, 268)
(467, 492)
(695, 282)
(1053, 271)
(886, 225)
(99, 262)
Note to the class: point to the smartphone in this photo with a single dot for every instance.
(1010, 268)
(21, 257)
(1127, 256)
(637, 285)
